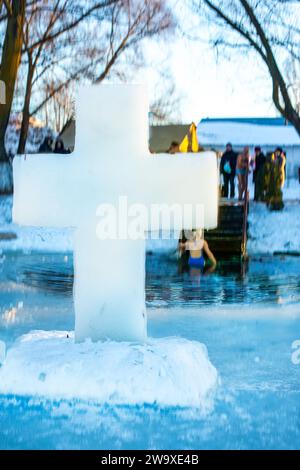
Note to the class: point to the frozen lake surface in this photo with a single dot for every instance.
(248, 317)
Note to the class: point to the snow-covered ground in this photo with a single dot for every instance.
(32, 238)
(291, 190)
(272, 232)
(269, 232)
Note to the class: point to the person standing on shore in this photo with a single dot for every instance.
(242, 169)
(258, 174)
(228, 170)
(276, 181)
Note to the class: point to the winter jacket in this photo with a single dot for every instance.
(260, 160)
(230, 157)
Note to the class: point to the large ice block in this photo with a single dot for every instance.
(111, 160)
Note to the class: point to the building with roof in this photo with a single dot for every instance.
(214, 133)
(160, 137)
(268, 133)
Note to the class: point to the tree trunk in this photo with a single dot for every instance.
(292, 116)
(279, 85)
(26, 109)
(11, 56)
(281, 97)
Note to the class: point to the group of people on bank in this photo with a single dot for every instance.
(48, 146)
(268, 174)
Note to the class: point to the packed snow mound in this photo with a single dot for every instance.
(166, 371)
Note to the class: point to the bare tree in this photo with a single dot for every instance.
(268, 28)
(130, 22)
(166, 102)
(65, 41)
(11, 56)
(293, 74)
(48, 28)
(58, 43)
(60, 107)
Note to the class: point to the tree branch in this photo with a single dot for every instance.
(75, 23)
(60, 87)
(8, 7)
(277, 78)
(236, 28)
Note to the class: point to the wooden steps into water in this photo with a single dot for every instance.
(229, 238)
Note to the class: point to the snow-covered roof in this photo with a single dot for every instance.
(219, 132)
(266, 121)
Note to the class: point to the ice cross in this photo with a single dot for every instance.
(111, 160)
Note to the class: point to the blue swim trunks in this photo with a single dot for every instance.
(197, 262)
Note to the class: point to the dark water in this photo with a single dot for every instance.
(270, 280)
(247, 314)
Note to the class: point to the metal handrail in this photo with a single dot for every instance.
(245, 217)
